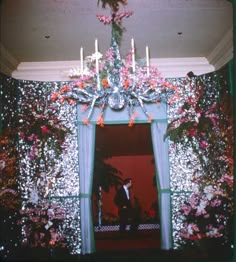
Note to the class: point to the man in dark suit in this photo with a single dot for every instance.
(127, 214)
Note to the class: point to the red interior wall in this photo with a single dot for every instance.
(141, 170)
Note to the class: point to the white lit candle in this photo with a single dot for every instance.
(96, 54)
(81, 61)
(133, 54)
(147, 59)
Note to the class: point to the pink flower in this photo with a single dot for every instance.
(228, 179)
(41, 235)
(186, 210)
(190, 100)
(201, 208)
(52, 242)
(194, 200)
(110, 54)
(203, 144)
(84, 108)
(215, 203)
(191, 228)
(8, 190)
(206, 216)
(32, 137)
(2, 164)
(104, 19)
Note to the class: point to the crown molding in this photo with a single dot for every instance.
(179, 67)
(57, 71)
(8, 62)
(223, 52)
(168, 67)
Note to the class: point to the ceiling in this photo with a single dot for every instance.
(42, 30)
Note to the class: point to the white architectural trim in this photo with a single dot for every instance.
(179, 67)
(44, 71)
(168, 67)
(223, 52)
(57, 71)
(7, 62)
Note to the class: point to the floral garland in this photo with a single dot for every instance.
(42, 223)
(206, 125)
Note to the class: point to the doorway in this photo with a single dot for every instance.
(129, 151)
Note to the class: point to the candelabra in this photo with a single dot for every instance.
(113, 82)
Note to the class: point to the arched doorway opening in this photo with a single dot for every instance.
(129, 151)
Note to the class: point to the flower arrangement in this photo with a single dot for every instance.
(209, 213)
(205, 123)
(113, 82)
(42, 224)
(40, 126)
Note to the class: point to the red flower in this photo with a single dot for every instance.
(55, 96)
(86, 121)
(62, 99)
(150, 118)
(131, 122)
(81, 85)
(105, 83)
(152, 84)
(64, 89)
(45, 130)
(100, 121)
(152, 213)
(71, 101)
(22, 135)
(192, 132)
(126, 84)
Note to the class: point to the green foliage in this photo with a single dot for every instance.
(117, 32)
(113, 4)
(105, 175)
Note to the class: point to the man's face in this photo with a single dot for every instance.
(129, 185)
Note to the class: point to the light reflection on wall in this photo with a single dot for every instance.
(182, 163)
(61, 174)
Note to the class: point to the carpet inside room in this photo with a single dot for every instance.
(112, 240)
